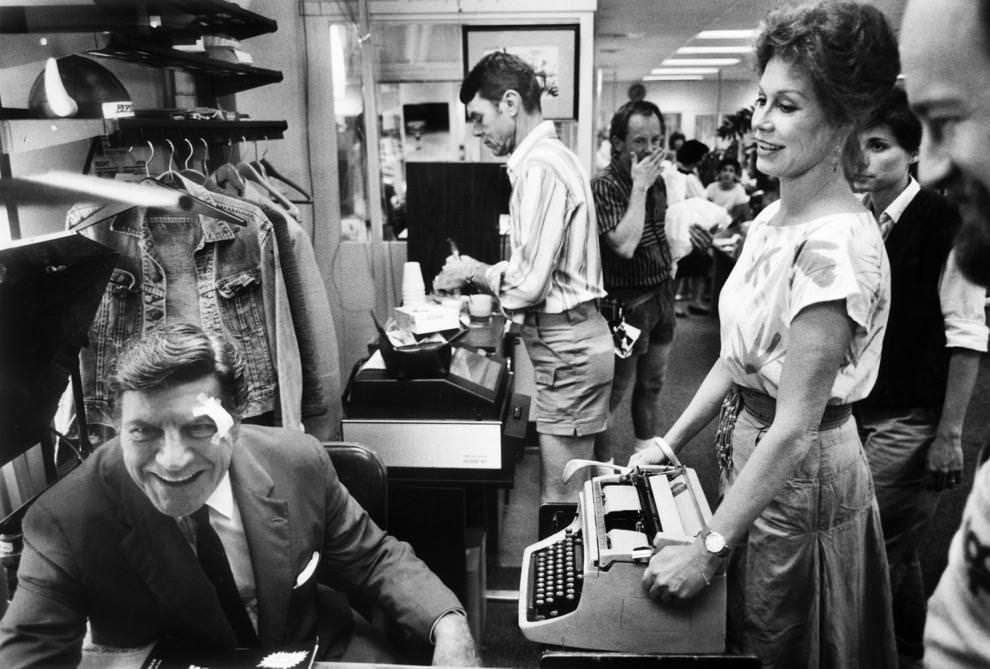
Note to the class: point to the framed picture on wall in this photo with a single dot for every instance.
(552, 50)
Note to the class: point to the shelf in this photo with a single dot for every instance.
(227, 78)
(18, 136)
(21, 135)
(179, 18)
(134, 131)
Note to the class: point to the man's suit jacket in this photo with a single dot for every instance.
(96, 549)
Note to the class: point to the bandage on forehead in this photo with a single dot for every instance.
(213, 409)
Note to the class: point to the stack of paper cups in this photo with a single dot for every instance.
(413, 288)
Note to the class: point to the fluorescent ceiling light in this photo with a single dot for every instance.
(714, 49)
(727, 34)
(702, 62)
(673, 77)
(684, 70)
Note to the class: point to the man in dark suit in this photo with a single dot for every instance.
(126, 544)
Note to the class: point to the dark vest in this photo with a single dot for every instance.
(914, 364)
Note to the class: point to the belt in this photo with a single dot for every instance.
(764, 407)
(578, 313)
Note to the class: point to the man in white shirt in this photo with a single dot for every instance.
(553, 278)
(912, 421)
(945, 58)
(727, 192)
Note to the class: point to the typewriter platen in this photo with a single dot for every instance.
(581, 587)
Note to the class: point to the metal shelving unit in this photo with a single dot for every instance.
(181, 18)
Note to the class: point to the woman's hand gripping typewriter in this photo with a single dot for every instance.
(581, 587)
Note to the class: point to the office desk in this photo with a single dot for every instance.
(450, 445)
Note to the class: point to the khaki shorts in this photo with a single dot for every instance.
(573, 362)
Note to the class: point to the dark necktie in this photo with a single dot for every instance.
(886, 223)
(213, 559)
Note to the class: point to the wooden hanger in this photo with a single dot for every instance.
(265, 167)
(247, 171)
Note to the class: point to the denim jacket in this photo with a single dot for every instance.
(232, 299)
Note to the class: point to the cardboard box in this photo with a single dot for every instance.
(426, 318)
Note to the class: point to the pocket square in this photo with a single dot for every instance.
(308, 570)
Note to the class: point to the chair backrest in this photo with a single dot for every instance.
(364, 475)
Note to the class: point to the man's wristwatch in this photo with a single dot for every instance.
(714, 543)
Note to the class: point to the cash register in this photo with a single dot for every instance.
(454, 422)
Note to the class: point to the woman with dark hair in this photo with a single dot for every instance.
(911, 423)
(802, 320)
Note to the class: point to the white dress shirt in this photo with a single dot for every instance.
(226, 521)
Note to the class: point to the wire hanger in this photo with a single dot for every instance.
(147, 161)
(206, 155)
(172, 179)
(193, 175)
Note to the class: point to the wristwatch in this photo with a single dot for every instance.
(714, 543)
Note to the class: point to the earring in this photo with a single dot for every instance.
(836, 158)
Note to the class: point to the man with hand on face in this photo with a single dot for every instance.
(193, 529)
(553, 278)
(630, 200)
(945, 58)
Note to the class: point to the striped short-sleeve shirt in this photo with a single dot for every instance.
(555, 262)
(651, 263)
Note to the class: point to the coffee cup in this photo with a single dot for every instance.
(480, 306)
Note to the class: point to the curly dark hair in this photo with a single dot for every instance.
(847, 50)
(501, 71)
(729, 161)
(178, 354)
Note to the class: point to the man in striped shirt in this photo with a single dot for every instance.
(630, 202)
(553, 278)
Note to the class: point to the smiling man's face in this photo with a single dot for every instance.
(170, 444)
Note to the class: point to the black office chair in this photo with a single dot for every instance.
(364, 475)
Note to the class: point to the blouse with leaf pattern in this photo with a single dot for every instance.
(784, 269)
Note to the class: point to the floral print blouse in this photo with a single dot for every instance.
(785, 268)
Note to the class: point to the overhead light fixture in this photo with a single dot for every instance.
(714, 49)
(684, 70)
(700, 62)
(748, 33)
(673, 77)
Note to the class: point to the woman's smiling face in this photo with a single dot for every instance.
(792, 132)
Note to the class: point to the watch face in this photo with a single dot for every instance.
(714, 543)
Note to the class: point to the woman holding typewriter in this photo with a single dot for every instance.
(802, 321)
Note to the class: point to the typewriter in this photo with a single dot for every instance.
(581, 587)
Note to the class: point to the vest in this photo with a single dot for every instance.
(914, 363)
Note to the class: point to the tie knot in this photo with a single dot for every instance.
(886, 223)
(201, 515)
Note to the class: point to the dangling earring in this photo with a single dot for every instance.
(836, 158)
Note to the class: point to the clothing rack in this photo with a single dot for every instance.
(135, 131)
